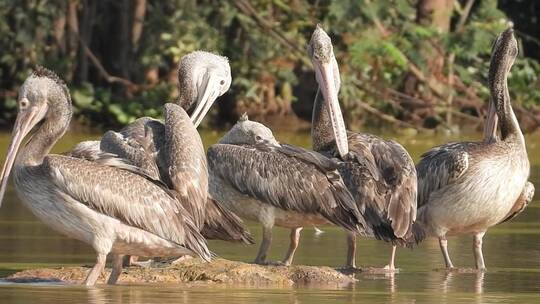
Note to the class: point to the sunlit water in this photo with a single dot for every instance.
(512, 252)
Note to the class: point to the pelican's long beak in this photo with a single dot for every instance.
(273, 142)
(26, 120)
(490, 128)
(205, 100)
(325, 77)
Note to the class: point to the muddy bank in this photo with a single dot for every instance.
(195, 271)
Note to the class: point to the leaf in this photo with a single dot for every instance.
(395, 54)
(82, 99)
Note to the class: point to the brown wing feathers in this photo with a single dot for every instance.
(221, 224)
(382, 177)
(150, 208)
(274, 176)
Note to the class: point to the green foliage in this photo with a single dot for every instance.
(23, 26)
(382, 62)
(376, 43)
(90, 102)
(524, 79)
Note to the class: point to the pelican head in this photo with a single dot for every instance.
(43, 96)
(202, 78)
(247, 132)
(321, 52)
(503, 54)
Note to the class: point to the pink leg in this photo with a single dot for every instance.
(93, 275)
(116, 269)
(391, 265)
(477, 247)
(265, 245)
(293, 245)
(443, 243)
(351, 249)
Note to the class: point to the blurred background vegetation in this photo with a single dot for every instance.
(404, 63)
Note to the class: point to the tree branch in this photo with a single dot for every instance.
(387, 117)
(138, 22)
(102, 71)
(247, 9)
(464, 15)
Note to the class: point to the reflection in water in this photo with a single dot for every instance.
(391, 282)
(97, 295)
(512, 252)
(477, 284)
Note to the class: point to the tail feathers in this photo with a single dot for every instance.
(418, 232)
(195, 242)
(402, 211)
(383, 230)
(222, 224)
(416, 235)
(345, 213)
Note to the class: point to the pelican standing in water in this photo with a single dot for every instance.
(113, 210)
(172, 151)
(277, 184)
(468, 187)
(379, 173)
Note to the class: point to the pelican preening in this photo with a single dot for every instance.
(278, 184)
(172, 151)
(359, 182)
(468, 187)
(86, 200)
(379, 173)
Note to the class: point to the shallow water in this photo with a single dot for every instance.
(512, 252)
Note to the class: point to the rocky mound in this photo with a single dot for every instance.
(195, 271)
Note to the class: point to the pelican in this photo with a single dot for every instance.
(172, 151)
(468, 187)
(113, 210)
(277, 184)
(490, 136)
(379, 173)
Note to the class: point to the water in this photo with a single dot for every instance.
(512, 252)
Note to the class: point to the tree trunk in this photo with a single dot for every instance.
(138, 22)
(73, 27)
(124, 43)
(85, 34)
(60, 30)
(435, 14)
(72, 31)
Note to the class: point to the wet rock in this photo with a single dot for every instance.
(194, 271)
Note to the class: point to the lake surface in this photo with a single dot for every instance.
(512, 252)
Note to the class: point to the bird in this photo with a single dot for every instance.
(276, 184)
(379, 173)
(172, 151)
(468, 187)
(114, 210)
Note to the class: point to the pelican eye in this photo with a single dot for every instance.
(258, 137)
(23, 103)
(222, 82)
